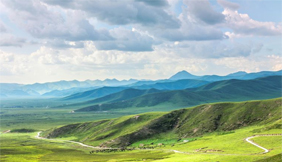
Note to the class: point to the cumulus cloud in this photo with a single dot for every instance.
(191, 29)
(6, 57)
(139, 38)
(127, 40)
(249, 64)
(202, 11)
(157, 3)
(41, 22)
(228, 5)
(11, 64)
(3, 28)
(57, 43)
(10, 40)
(119, 13)
(242, 24)
(214, 49)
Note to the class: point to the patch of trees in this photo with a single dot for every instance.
(23, 130)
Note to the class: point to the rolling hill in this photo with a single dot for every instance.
(230, 90)
(183, 123)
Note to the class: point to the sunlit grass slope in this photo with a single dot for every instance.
(183, 123)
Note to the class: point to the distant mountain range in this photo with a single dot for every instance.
(238, 75)
(180, 80)
(227, 90)
(57, 89)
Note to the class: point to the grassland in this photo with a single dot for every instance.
(225, 142)
(183, 123)
(42, 118)
(24, 147)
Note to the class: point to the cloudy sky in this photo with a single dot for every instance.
(51, 40)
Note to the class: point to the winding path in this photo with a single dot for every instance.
(251, 142)
(176, 151)
(247, 139)
(38, 137)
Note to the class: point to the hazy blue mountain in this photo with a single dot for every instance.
(238, 75)
(147, 82)
(17, 93)
(9, 86)
(2, 95)
(66, 92)
(174, 85)
(61, 85)
(260, 74)
(134, 91)
(95, 93)
(227, 90)
(38, 89)
(183, 75)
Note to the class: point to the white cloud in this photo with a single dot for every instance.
(127, 40)
(141, 39)
(190, 31)
(43, 21)
(3, 28)
(11, 64)
(242, 24)
(203, 11)
(10, 40)
(228, 5)
(214, 49)
(121, 13)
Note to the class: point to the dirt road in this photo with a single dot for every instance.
(38, 137)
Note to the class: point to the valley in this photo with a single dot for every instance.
(166, 121)
(140, 81)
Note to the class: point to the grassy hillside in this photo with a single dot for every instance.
(183, 123)
(230, 90)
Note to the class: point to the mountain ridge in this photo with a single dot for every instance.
(39, 89)
(230, 90)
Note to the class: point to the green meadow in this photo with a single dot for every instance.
(221, 144)
(24, 147)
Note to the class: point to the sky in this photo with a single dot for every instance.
(51, 40)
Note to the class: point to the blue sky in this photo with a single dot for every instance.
(49, 40)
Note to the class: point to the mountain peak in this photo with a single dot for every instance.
(182, 75)
(239, 73)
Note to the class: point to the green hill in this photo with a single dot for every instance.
(183, 123)
(230, 90)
